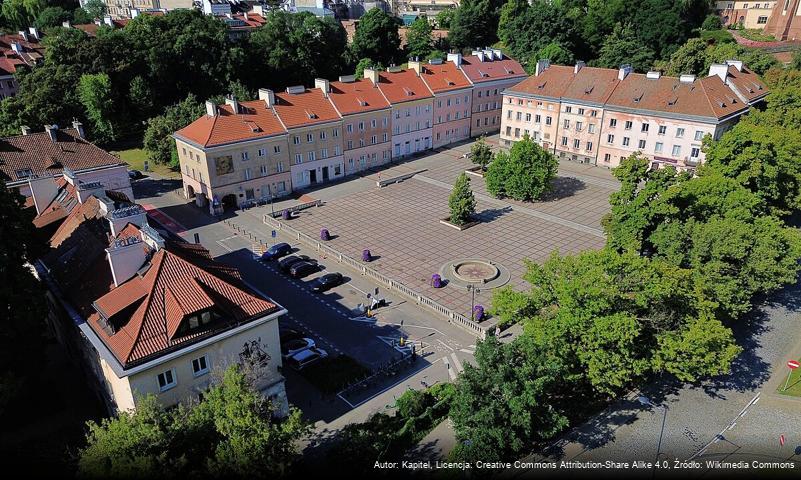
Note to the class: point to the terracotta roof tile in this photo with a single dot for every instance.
(303, 109)
(487, 71)
(553, 82)
(747, 83)
(402, 86)
(253, 121)
(357, 97)
(444, 77)
(592, 85)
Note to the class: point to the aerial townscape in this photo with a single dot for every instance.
(400, 238)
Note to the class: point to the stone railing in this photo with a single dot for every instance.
(297, 208)
(393, 285)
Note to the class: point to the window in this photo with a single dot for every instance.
(763, 19)
(641, 144)
(662, 129)
(566, 124)
(245, 156)
(336, 150)
(248, 174)
(528, 117)
(373, 123)
(322, 135)
(564, 141)
(568, 109)
(594, 113)
(298, 159)
(349, 128)
(296, 140)
(576, 143)
(628, 125)
(517, 133)
(658, 147)
(508, 114)
(679, 133)
(263, 170)
(537, 119)
(699, 135)
(310, 156)
(547, 120)
(277, 149)
(645, 127)
(607, 157)
(384, 137)
(519, 116)
(361, 126)
(589, 146)
(579, 126)
(280, 167)
(695, 152)
(324, 153)
(350, 144)
(591, 128)
(200, 366)
(612, 122)
(337, 169)
(581, 111)
(676, 150)
(626, 141)
(262, 152)
(336, 132)
(309, 137)
(610, 139)
(167, 380)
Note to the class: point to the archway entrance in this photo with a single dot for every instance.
(190, 191)
(229, 201)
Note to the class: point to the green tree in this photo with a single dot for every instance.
(95, 8)
(377, 37)
(20, 14)
(365, 63)
(419, 42)
(445, 17)
(525, 29)
(555, 52)
(502, 405)
(51, 17)
(95, 92)
(712, 22)
(81, 17)
(623, 47)
(473, 25)
(795, 63)
(525, 173)
(481, 153)
(158, 136)
(690, 58)
(461, 203)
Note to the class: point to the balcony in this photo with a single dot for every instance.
(692, 161)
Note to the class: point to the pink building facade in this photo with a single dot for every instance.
(452, 100)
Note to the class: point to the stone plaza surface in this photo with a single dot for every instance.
(400, 224)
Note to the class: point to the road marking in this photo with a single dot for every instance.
(219, 242)
(451, 373)
(720, 436)
(445, 345)
(471, 352)
(457, 363)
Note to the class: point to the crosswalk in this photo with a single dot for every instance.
(455, 368)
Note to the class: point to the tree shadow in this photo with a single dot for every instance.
(150, 187)
(486, 216)
(563, 187)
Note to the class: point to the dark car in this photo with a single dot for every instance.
(326, 282)
(287, 334)
(287, 262)
(134, 174)
(301, 269)
(292, 347)
(277, 251)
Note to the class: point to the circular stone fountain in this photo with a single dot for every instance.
(476, 272)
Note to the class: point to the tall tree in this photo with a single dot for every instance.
(525, 173)
(473, 25)
(461, 203)
(623, 47)
(526, 29)
(419, 42)
(377, 38)
(95, 92)
(158, 142)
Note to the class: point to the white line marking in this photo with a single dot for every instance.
(224, 246)
(471, 352)
(451, 373)
(457, 363)
(445, 345)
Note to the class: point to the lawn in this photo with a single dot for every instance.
(756, 35)
(331, 374)
(135, 158)
(793, 386)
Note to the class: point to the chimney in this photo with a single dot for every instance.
(416, 66)
(23, 34)
(211, 108)
(736, 64)
(107, 20)
(66, 24)
(579, 65)
(26, 130)
(323, 85)
(134, 13)
(121, 217)
(268, 96)
(52, 132)
(687, 78)
(653, 75)
(125, 257)
(245, 16)
(542, 65)
(479, 54)
(43, 191)
(34, 32)
(231, 101)
(86, 190)
(372, 75)
(498, 54)
(719, 69)
(78, 126)
(258, 10)
(347, 78)
(489, 54)
(624, 71)
(456, 58)
(16, 47)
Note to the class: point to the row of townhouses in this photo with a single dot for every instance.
(242, 152)
(16, 51)
(601, 115)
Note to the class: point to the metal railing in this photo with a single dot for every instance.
(453, 317)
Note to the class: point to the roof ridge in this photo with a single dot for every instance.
(706, 96)
(160, 262)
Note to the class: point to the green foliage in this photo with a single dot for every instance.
(697, 55)
(445, 17)
(525, 29)
(481, 153)
(229, 433)
(376, 38)
(158, 135)
(555, 52)
(622, 46)
(461, 203)
(95, 92)
(712, 22)
(419, 42)
(20, 14)
(473, 25)
(716, 36)
(525, 173)
(51, 17)
(366, 63)
(756, 35)
(95, 8)
(795, 63)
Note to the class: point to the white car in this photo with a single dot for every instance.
(300, 360)
(296, 346)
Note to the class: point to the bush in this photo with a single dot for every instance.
(525, 173)
(481, 153)
(462, 203)
(712, 22)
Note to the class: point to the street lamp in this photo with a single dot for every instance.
(272, 208)
(473, 291)
(646, 401)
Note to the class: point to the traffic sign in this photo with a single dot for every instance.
(781, 440)
(793, 364)
(274, 234)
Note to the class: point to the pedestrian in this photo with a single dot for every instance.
(497, 330)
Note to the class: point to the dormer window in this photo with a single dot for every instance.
(197, 320)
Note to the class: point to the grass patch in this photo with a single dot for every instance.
(756, 35)
(135, 158)
(717, 36)
(331, 374)
(793, 386)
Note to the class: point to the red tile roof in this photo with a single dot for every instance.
(32, 52)
(403, 86)
(592, 85)
(37, 153)
(747, 83)
(253, 121)
(553, 82)
(304, 109)
(444, 77)
(487, 71)
(357, 97)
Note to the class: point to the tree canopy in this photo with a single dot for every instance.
(524, 173)
(376, 38)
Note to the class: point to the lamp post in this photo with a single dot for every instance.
(646, 401)
(272, 207)
(473, 291)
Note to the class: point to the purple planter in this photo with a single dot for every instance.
(478, 313)
(436, 281)
(324, 235)
(285, 215)
(367, 256)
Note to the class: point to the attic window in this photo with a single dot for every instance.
(638, 98)
(541, 85)
(588, 90)
(731, 99)
(483, 74)
(673, 101)
(253, 127)
(311, 115)
(196, 320)
(451, 83)
(24, 173)
(508, 72)
(361, 102)
(721, 104)
(408, 92)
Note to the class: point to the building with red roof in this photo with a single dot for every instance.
(147, 314)
(602, 115)
(452, 94)
(23, 49)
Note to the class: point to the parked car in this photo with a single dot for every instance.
(295, 346)
(277, 251)
(301, 269)
(326, 282)
(288, 334)
(134, 174)
(306, 357)
(287, 262)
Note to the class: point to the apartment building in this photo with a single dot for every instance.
(749, 14)
(605, 115)
(412, 109)
(118, 9)
(315, 133)
(16, 51)
(236, 153)
(490, 73)
(60, 153)
(785, 20)
(146, 315)
(452, 94)
(366, 123)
